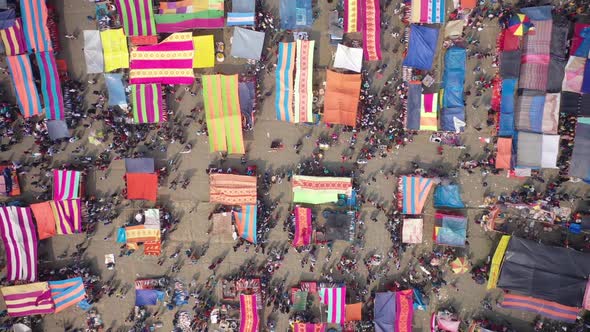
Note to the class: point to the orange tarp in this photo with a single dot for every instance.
(230, 189)
(354, 312)
(45, 219)
(142, 186)
(504, 154)
(468, 4)
(342, 98)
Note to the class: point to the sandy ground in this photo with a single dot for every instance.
(193, 226)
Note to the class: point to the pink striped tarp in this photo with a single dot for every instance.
(20, 242)
(335, 300)
(303, 227)
(30, 299)
(248, 313)
(371, 19)
(66, 184)
(13, 39)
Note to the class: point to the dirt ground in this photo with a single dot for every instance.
(465, 297)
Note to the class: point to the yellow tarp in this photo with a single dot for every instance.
(204, 51)
(497, 261)
(114, 46)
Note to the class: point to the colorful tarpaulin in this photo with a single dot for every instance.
(320, 190)
(45, 220)
(295, 14)
(24, 84)
(537, 112)
(222, 112)
(142, 233)
(404, 310)
(460, 265)
(284, 92)
(414, 105)
(580, 162)
(230, 189)
(190, 14)
(247, 44)
(204, 51)
(248, 313)
(66, 293)
(169, 62)
(50, 86)
(303, 81)
(309, 327)
(421, 48)
(115, 89)
(414, 190)
(34, 17)
(506, 121)
(412, 230)
(429, 111)
(504, 153)
(335, 300)
(535, 60)
(137, 17)
(142, 186)
(537, 150)
(341, 98)
(384, 312)
(26, 300)
(190, 6)
(352, 14)
(147, 103)
(574, 74)
(428, 11)
(58, 217)
(140, 165)
(246, 222)
(243, 13)
(93, 52)
(520, 24)
(20, 243)
(303, 228)
(372, 29)
(453, 104)
(450, 229)
(13, 39)
(544, 308)
(114, 46)
(497, 261)
(9, 185)
(448, 196)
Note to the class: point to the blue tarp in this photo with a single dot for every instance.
(414, 104)
(247, 93)
(539, 13)
(296, 14)
(448, 196)
(121, 235)
(453, 81)
(148, 297)
(384, 312)
(506, 125)
(584, 47)
(586, 81)
(453, 231)
(421, 47)
(115, 89)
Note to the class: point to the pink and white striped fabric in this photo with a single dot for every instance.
(20, 242)
(335, 300)
(66, 184)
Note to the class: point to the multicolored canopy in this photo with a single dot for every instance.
(520, 24)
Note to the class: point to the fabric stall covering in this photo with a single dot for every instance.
(384, 312)
(50, 86)
(450, 229)
(29, 299)
(534, 69)
(66, 293)
(497, 261)
(93, 52)
(575, 103)
(303, 227)
(335, 300)
(580, 45)
(221, 229)
(453, 81)
(538, 113)
(58, 217)
(247, 95)
(371, 20)
(412, 230)
(114, 47)
(57, 129)
(152, 218)
(545, 272)
(141, 233)
(243, 13)
(574, 74)
(353, 312)
(24, 84)
(338, 227)
(580, 162)
(352, 16)
(9, 185)
(421, 48)
(284, 91)
(222, 112)
(204, 51)
(454, 29)
(247, 44)
(295, 14)
(558, 55)
(44, 219)
(115, 89)
(230, 189)
(309, 327)
(428, 11)
(303, 97)
(145, 297)
(13, 39)
(143, 40)
(537, 150)
(168, 62)
(404, 310)
(20, 242)
(586, 81)
(34, 17)
(137, 17)
(140, 165)
(504, 153)
(544, 308)
(190, 14)
(142, 186)
(320, 190)
(350, 58)
(341, 98)
(249, 319)
(414, 106)
(510, 64)
(414, 190)
(506, 121)
(147, 103)
(448, 196)
(246, 222)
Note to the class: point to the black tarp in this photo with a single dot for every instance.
(338, 227)
(575, 103)
(545, 272)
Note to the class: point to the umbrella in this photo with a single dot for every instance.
(520, 24)
(460, 265)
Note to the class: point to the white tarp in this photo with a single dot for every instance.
(537, 150)
(247, 44)
(349, 58)
(93, 52)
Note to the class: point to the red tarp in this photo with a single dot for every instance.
(142, 186)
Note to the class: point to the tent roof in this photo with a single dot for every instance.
(139, 165)
(142, 186)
